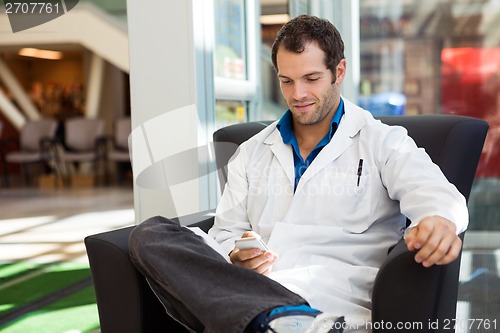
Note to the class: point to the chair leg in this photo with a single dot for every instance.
(101, 172)
(107, 173)
(5, 178)
(60, 166)
(61, 173)
(26, 173)
(96, 175)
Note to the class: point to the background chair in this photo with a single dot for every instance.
(404, 291)
(118, 151)
(34, 147)
(83, 143)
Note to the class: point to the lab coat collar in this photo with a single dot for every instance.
(352, 122)
(349, 127)
(282, 152)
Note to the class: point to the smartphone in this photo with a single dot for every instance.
(251, 243)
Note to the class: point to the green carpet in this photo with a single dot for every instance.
(50, 298)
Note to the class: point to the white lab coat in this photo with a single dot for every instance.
(332, 234)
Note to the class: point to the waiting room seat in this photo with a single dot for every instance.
(34, 147)
(83, 142)
(404, 291)
(118, 150)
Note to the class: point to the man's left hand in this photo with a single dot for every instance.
(435, 241)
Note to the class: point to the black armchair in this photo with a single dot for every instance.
(404, 291)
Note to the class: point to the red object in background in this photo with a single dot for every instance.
(470, 83)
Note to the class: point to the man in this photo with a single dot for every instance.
(327, 187)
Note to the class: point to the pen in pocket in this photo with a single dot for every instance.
(360, 169)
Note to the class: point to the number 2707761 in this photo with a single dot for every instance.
(32, 8)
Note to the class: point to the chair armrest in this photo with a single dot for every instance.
(407, 292)
(125, 301)
(203, 220)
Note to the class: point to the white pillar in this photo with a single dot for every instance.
(94, 86)
(163, 98)
(18, 92)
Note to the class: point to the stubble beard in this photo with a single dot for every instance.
(321, 110)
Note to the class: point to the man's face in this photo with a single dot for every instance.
(308, 85)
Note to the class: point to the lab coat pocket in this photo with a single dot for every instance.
(345, 202)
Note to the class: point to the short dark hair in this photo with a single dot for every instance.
(303, 29)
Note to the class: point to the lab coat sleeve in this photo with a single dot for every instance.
(231, 219)
(416, 182)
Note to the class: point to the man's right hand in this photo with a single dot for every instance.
(254, 259)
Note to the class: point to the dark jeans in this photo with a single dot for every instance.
(197, 286)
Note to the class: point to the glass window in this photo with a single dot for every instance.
(433, 57)
(429, 57)
(230, 112)
(236, 49)
(230, 39)
(273, 103)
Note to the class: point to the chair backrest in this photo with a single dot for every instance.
(454, 143)
(123, 127)
(450, 141)
(33, 131)
(404, 290)
(226, 141)
(81, 133)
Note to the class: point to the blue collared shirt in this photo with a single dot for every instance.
(286, 130)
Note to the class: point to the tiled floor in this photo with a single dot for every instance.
(50, 225)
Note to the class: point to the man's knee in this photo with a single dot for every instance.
(145, 232)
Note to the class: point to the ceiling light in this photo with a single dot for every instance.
(274, 19)
(42, 54)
